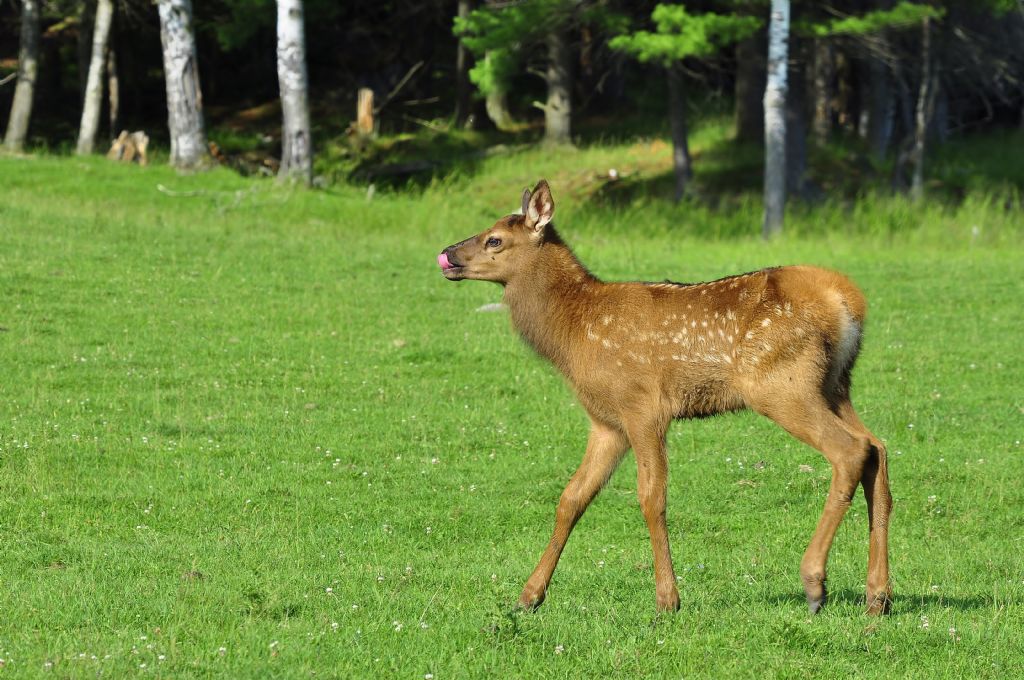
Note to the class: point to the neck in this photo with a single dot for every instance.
(546, 299)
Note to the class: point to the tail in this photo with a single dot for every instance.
(844, 345)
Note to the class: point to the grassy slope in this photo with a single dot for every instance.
(252, 432)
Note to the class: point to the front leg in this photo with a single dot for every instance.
(652, 483)
(605, 448)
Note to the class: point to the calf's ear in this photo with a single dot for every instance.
(539, 208)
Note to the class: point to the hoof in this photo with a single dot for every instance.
(668, 602)
(879, 604)
(814, 589)
(531, 599)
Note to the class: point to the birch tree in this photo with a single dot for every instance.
(28, 66)
(181, 72)
(775, 119)
(296, 145)
(94, 85)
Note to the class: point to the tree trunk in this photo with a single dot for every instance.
(462, 65)
(750, 83)
(923, 111)
(880, 106)
(184, 96)
(681, 166)
(86, 21)
(496, 101)
(824, 88)
(93, 103)
(296, 145)
(558, 109)
(113, 89)
(28, 66)
(796, 119)
(775, 120)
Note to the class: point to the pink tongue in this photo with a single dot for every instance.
(442, 260)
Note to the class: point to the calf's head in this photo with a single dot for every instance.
(507, 247)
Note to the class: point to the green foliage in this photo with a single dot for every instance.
(499, 34)
(903, 14)
(494, 70)
(679, 34)
(505, 27)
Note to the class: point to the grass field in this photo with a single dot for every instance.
(251, 432)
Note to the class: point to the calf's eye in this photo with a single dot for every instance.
(493, 242)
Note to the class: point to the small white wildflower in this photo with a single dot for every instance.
(334, 625)
(924, 622)
(559, 649)
(428, 676)
(398, 625)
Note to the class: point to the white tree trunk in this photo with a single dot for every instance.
(184, 97)
(296, 147)
(775, 119)
(24, 91)
(94, 85)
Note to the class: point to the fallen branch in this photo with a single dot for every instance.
(397, 88)
(8, 78)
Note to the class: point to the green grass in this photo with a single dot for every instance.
(251, 432)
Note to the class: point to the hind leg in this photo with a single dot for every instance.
(875, 480)
(806, 415)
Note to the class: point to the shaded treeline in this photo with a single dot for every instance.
(897, 75)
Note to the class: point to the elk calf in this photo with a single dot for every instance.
(779, 341)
